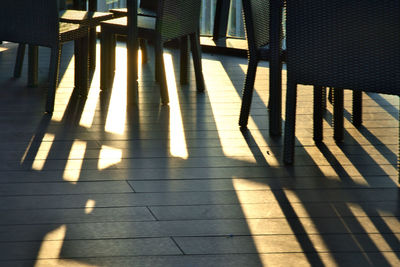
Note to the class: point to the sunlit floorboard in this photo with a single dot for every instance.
(104, 184)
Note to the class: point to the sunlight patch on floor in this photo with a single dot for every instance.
(376, 237)
(109, 156)
(73, 167)
(177, 138)
(211, 67)
(52, 249)
(89, 207)
(43, 152)
(116, 117)
(63, 93)
(90, 107)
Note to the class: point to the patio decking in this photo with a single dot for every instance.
(98, 184)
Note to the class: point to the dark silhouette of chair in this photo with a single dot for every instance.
(37, 23)
(90, 19)
(146, 8)
(332, 44)
(259, 29)
(175, 19)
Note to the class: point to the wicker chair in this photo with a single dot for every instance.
(330, 43)
(259, 16)
(90, 19)
(37, 23)
(175, 19)
(147, 8)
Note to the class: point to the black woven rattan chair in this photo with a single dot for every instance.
(37, 23)
(330, 43)
(175, 19)
(147, 8)
(90, 19)
(259, 29)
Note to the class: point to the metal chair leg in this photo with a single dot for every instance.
(162, 79)
(184, 60)
(357, 108)
(19, 61)
(319, 95)
(338, 114)
(290, 123)
(53, 77)
(247, 94)
(196, 54)
(33, 55)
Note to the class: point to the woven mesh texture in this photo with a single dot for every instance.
(27, 21)
(149, 4)
(258, 11)
(178, 18)
(345, 44)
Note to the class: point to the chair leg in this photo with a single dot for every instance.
(290, 123)
(330, 95)
(324, 100)
(33, 55)
(107, 52)
(357, 108)
(247, 94)
(92, 48)
(337, 99)
(319, 96)
(53, 77)
(160, 73)
(196, 54)
(275, 70)
(184, 60)
(275, 94)
(19, 60)
(398, 156)
(82, 65)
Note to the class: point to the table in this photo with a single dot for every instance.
(132, 46)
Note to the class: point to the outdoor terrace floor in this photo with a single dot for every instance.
(99, 184)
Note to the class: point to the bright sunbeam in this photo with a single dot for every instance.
(63, 92)
(116, 117)
(52, 244)
(89, 207)
(90, 107)
(226, 123)
(109, 156)
(177, 138)
(43, 152)
(73, 167)
(50, 251)
(374, 234)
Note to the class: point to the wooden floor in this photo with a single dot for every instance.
(99, 184)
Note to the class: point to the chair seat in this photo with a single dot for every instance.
(70, 32)
(122, 12)
(88, 18)
(146, 25)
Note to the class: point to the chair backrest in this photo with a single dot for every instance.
(149, 4)
(345, 44)
(256, 17)
(27, 21)
(176, 18)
